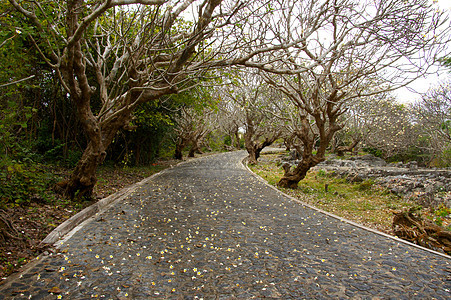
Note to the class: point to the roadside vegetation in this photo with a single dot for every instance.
(37, 209)
(364, 202)
(149, 85)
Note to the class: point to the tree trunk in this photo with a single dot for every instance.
(342, 149)
(237, 140)
(195, 142)
(253, 156)
(291, 178)
(83, 179)
(194, 149)
(179, 146)
(178, 152)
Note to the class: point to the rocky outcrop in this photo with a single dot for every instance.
(427, 187)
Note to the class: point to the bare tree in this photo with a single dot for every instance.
(123, 53)
(345, 50)
(251, 95)
(433, 114)
(192, 126)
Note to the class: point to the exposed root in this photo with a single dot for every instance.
(412, 227)
(7, 230)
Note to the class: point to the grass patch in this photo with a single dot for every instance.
(364, 202)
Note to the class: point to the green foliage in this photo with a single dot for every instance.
(56, 155)
(443, 211)
(374, 151)
(13, 124)
(227, 140)
(321, 173)
(412, 153)
(443, 160)
(24, 182)
(216, 142)
(141, 146)
(446, 61)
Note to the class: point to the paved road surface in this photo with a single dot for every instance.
(209, 229)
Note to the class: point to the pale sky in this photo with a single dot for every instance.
(421, 85)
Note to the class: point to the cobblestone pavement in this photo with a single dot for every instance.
(209, 229)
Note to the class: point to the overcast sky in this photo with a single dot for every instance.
(421, 85)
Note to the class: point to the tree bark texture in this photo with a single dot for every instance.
(291, 178)
(326, 127)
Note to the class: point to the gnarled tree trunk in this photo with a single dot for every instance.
(308, 138)
(423, 232)
(254, 149)
(179, 146)
(342, 149)
(291, 178)
(253, 154)
(194, 149)
(83, 178)
(251, 137)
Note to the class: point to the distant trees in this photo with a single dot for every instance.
(230, 118)
(113, 56)
(255, 104)
(433, 120)
(347, 50)
(418, 131)
(385, 126)
(192, 126)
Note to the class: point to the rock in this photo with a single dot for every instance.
(398, 165)
(426, 187)
(412, 165)
(370, 160)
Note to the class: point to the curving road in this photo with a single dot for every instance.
(210, 229)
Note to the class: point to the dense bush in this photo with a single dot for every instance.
(24, 182)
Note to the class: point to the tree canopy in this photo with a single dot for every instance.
(114, 58)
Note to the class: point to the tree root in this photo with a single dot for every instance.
(413, 228)
(7, 230)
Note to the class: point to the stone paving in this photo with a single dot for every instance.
(209, 229)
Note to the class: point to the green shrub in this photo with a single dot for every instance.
(22, 183)
(374, 151)
(444, 159)
(321, 173)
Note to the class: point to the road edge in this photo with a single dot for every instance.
(244, 163)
